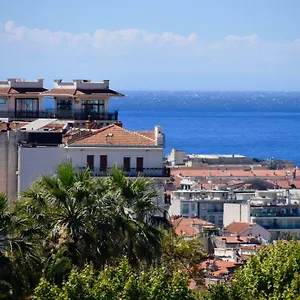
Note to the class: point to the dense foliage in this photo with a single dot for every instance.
(273, 273)
(72, 219)
(121, 282)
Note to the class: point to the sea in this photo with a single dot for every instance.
(256, 124)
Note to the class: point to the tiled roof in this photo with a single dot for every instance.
(4, 90)
(148, 133)
(238, 227)
(26, 90)
(188, 226)
(82, 92)
(238, 240)
(232, 173)
(12, 125)
(218, 267)
(114, 135)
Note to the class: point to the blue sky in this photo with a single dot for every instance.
(154, 45)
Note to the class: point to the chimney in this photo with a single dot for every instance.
(159, 136)
(119, 123)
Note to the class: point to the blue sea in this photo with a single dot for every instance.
(256, 124)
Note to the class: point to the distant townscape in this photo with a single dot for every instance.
(234, 205)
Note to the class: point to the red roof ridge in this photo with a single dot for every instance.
(93, 133)
(141, 135)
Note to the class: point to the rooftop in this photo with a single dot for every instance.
(238, 227)
(114, 135)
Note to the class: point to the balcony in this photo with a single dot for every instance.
(148, 172)
(275, 215)
(62, 115)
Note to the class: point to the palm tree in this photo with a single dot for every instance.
(93, 220)
(19, 260)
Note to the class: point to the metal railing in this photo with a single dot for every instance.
(68, 115)
(133, 172)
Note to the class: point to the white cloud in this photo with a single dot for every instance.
(132, 52)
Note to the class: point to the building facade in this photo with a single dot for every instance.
(75, 101)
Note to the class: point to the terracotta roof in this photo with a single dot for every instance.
(12, 91)
(238, 227)
(3, 125)
(219, 267)
(82, 92)
(189, 226)
(232, 173)
(114, 135)
(148, 133)
(26, 90)
(4, 90)
(236, 240)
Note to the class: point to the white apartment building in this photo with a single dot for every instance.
(276, 211)
(74, 101)
(137, 152)
(204, 204)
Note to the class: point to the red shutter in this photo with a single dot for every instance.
(139, 164)
(103, 162)
(126, 164)
(90, 161)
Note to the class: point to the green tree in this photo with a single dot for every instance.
(273, 273)
(121, 282)
(83, 219)
(19, 260)
(184, 255)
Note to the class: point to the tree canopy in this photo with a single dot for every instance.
(273, 273)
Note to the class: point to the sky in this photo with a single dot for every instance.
(154, 45)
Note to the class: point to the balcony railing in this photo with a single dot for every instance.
(63, 115)
(275, 215)
(133, 172)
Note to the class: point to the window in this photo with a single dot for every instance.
(90, 161)
(2, 101)
(103, 163)
(193, 207)
(185, 209)
(26, 107)
(126, 164)
(64, 105)
(139, 164)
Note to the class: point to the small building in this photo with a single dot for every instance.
(83, 99)
(246, 229)
(20, 99)
(75, 101)
(100, 150)
(217, 270)
(190, 227)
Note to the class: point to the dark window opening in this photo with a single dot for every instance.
(139, 164)
(90, 161)
(126, 164)
(103, 162)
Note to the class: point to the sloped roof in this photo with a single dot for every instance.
(188, 226)
(238, 227)
(238, 240)
(114, 135)
(72, 92)
(24, 90)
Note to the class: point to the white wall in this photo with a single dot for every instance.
(43, 160)
(153, 158)
(236, 212)
(34, 162)
(257, 230)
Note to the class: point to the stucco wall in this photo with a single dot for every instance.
(153, 158)
(34, 162)
(43, 160)
(236, 212)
